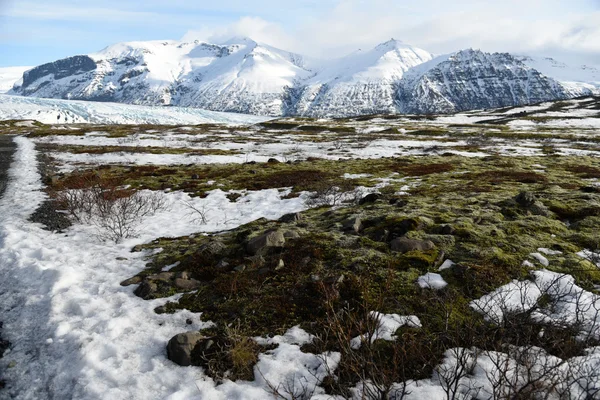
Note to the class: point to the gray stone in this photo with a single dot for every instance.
(240, 268)
(162, 277)
(370, 198)
(280, 265)
(180, 347)
(222, 264)
(529, 201)
(404, 245)
(265, 241)
(214, 247)
(353, 224)
(184, 275)
(146, 290)
(132, 281)
(447, 230)
(293, 217)
(187, 284)
(291, 235)
(525, 199)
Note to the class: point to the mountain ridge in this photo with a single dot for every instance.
(244, 76)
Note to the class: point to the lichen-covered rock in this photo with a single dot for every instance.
(353, 224)
(293, 217)
(404, 245)
(131, 281)
(180, 347)
(265, 241)
(187, 284)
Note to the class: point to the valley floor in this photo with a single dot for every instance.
(509, 201)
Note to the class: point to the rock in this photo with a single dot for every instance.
(184, 275)
(404, 245)
(530, 202)
(187, 284)
(160, 310)
(293, 217)
(132, 281)
(447, 230)
(222, 264)
(280, 265)
(379, 235)
(162, 277)
(180, 347)
(189, 321)
(146, 290)
(291, 235)
(525, 199)
(195, 176)
(273, 161)
(398, 202)
(265, 241)
(401, 228)
(240, 268)
(370, 198)
(212, 248)
(353, 224)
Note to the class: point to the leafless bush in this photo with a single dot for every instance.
(199, 214)
(118, 217)
(116, 212)
(331, 194)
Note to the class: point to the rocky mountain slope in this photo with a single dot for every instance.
(472, 79)
(246, 77)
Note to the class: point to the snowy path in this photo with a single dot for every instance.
(76, 333)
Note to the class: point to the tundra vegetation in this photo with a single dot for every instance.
(520, 229)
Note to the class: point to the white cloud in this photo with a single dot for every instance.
(252, 27)
(532, 26)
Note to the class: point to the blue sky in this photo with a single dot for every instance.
(33, 32)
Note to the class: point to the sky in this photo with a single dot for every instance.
(33, 32)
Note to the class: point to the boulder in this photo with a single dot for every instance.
(291, 235)
(293, 217)
(353, 224)
(212, 248)
(370, 198)
(404, 245)
(265, 241)
(273, 161)
(447, 230)
(180, 347)
(187, 284)
(146, 290)
(529, 201)
(525, 199)
(132, 281)
(162, 277)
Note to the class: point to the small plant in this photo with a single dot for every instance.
(115, 211)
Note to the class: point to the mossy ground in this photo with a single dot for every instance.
(328, 268)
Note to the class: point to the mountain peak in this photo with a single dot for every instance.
(239, 40)
(392, 44)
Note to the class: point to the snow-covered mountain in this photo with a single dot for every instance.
(237, 76)
(472, 79)
(578, 80)
(361, 83)
(10, 75)
(244, 76)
